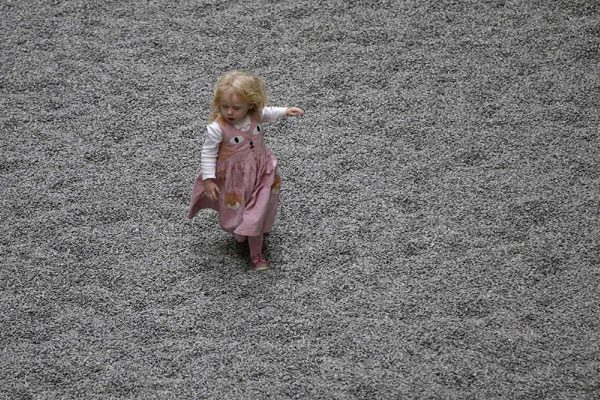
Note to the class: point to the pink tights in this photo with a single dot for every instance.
(254, 242)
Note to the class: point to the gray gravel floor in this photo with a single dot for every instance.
(438, 231)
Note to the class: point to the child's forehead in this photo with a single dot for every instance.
(228, 95)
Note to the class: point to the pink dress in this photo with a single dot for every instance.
(249, 180)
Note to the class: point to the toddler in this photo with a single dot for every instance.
(239, 177)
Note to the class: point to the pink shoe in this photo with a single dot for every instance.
(259, 264)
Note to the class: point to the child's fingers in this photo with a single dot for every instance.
(216, 193)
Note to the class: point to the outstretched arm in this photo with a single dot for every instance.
(294, 112)
(270, 114)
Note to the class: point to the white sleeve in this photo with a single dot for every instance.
(270, 114)
(210, 150)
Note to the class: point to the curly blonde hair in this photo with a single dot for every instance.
(248, 88)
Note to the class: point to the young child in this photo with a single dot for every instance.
(239, 177)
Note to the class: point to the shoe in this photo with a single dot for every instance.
(259, 264)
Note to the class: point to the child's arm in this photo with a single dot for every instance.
(211, 189)
(294, 112)
(210, 151)
(270, 114)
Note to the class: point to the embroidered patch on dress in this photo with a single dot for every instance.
(233, 200)
(276, 185)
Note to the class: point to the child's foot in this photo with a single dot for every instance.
(259, 264)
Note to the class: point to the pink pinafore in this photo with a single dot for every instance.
(249, 180)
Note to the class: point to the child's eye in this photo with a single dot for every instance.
(236, 140)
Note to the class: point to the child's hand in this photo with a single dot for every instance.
(294, 112)
(211, 189)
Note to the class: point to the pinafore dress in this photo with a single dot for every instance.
(249, 180)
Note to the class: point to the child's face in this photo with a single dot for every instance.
(232, 109)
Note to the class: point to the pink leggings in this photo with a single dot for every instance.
(254, 242)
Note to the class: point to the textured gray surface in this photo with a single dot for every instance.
(438, 234)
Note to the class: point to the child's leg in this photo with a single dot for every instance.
(255, 243)
(240, 238)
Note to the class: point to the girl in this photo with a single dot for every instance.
(239, 177)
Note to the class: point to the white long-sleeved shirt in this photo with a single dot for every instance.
(214, 136)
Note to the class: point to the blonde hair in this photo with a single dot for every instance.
(248, 88)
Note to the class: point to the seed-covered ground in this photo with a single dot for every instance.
(438, 234)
